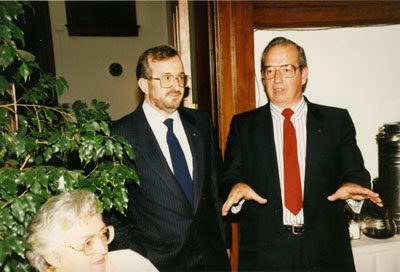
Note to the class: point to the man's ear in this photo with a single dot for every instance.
(304, 75)
(144, 85)
(53, 259)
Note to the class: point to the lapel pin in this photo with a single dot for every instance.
(319, 130)
(194, 134)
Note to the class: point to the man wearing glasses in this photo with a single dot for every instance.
(289, 167)
(173, 217)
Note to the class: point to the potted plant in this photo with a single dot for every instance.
(45, 149)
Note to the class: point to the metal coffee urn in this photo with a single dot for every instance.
(388, 141)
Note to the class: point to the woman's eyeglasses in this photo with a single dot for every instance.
(106, 235)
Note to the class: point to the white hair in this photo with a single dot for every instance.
(59, 213)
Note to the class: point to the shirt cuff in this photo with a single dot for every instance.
(238, 207)
(355, 205)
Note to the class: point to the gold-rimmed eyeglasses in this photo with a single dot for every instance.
(167, 80)
(286, 70)
(88, 247)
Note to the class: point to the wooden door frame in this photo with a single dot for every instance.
(233, 36)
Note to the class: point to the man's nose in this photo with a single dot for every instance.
(175, 83)
(278, 76)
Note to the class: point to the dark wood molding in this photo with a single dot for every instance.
(304, 14)
(234, 61)
(204, 95)
(234, 65)
(225, 68)
(244, 56)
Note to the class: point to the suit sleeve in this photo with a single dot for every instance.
(233, 168)
(351, 161)
(120, 222)
(225, 226)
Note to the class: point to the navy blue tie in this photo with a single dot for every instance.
(179, 164)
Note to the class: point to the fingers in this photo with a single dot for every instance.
(238, 192)
(356, 192)
(339, 194)
(377, 201)
(231, 200)
(228, 252)
(254, 196)
(372, 194)
(333, 197)
(367, 194)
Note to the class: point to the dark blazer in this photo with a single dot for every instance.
(161, 224)
(332, 158)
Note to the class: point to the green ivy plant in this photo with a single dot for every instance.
(45, 150)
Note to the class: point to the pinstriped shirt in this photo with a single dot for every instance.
(299, 121)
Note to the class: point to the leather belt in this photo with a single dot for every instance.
(295, 229)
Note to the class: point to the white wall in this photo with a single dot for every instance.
(353, 68)
(85, 61)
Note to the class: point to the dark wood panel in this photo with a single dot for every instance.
(225, 67)
(244, 61)
(202, 56)
(234, 62)
(289, 14)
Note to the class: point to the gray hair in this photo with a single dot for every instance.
(284, 41)
(60, 212)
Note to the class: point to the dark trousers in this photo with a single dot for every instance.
(293, 253)
(289, 255)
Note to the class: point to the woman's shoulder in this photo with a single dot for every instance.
(128, 260)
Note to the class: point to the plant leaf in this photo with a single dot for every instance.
(25, 55)
(7, 55)
(24, 71)
(61, 84)
(5, 86)
(17, 210)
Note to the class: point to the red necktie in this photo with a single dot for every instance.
(291, 170)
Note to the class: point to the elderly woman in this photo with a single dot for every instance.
(68, 234)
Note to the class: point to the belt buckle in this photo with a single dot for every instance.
(294, 231)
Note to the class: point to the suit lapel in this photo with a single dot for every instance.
(263, 135)
(197, 149)
(316, 143)
(147, 146)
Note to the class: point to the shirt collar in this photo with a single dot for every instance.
(156, 117)
(299, 109)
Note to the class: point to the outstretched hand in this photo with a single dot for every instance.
(355, 192)
(238, 192)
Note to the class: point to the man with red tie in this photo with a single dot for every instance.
(290, 166)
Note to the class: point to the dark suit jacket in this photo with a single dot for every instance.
(161, 224)
(332, 158)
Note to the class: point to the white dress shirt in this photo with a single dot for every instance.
(156, 122)
(299, 121)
